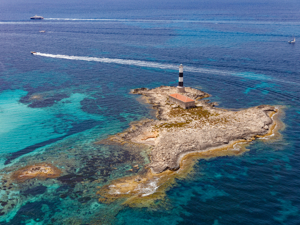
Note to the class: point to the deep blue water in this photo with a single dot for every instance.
(89, 58)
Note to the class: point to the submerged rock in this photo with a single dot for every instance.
(41, 189)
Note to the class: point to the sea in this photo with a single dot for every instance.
(59, 105)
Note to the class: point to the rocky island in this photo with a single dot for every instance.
(178, 133)
(39, 170)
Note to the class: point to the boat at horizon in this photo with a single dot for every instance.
(293, 41)
(37, 17)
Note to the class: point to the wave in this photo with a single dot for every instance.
(284, 23)
(184, 21)
(24, 22)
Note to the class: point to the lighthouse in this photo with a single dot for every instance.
(180, 88)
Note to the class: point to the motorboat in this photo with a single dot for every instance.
(37, 17)
(293, 41)
(33, 53)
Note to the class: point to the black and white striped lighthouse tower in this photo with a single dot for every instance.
(180, 87)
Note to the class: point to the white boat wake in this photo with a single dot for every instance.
(157, 65)
(139, 63)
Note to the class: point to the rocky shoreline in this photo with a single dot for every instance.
(178, 132)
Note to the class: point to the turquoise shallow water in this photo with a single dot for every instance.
(54, 106)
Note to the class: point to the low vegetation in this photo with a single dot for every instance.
(197, 115)
(194, 113)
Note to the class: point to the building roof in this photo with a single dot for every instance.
(182, 98)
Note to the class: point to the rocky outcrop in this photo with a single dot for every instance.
(241, 125)
(180, 131)
(40, 171)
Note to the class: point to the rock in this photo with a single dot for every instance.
(138, 90)
(40, 171)
(138, 179)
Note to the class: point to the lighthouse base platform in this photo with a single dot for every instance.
(180, 89)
